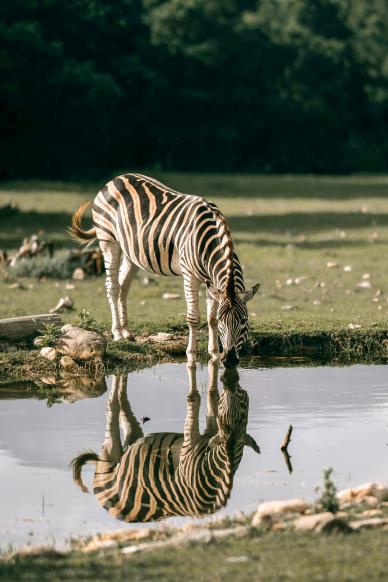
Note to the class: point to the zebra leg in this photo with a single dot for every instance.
(191, 288)
(211, 311)
(191, 430)
(111, 251)
(126, 275)
(128, 421)
(111, 449)
(213, 399)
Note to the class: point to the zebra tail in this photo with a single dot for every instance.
(76, 465)
(76, 232)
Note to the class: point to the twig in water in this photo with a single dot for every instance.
(284, 448)
(287, 439)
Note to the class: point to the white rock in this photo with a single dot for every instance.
(170, 296)
(369, 523)
(49, 353)
(274, 508)
(354, 326)
(348, 268)
(78, 274)
(81, 344)
(364, 285)
(356, 494)
(313, 522)
(332, 265)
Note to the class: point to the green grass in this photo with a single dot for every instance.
(270, 557)
(284, 228)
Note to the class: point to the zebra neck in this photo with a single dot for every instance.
(216, 271)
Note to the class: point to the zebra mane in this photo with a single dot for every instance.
(227, 245)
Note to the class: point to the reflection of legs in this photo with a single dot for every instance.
(191, 288)
(111, 449)
(191, 430)
(111, 251)
(128, 421)
(211, 311)
(127, 272)
(213, 399)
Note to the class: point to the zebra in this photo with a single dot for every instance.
(144, 224)
(149, 478)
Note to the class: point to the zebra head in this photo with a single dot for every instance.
(232, 418)
(233, 326)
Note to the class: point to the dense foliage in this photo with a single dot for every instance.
(89, 87)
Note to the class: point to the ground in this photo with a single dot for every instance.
(287, 230)
(269, 557)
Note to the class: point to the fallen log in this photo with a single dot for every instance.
(22, 327)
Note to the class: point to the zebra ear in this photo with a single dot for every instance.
(250, 442)
(247, 295)
(215, 294)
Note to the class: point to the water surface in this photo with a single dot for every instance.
(340, 419)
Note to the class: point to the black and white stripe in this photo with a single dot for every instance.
(141, 223)
(170, 474)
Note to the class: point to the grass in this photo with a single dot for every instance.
(286, 229)
(270, 557)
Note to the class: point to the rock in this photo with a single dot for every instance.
(67, 362)
(81, 344)
(274, 508)
(365, 492)
(321, 522)
(354, 326)
(49, 353)
(371, 513)
(78, 274)
(289, 307)
(364, 285)
(371, 523)
(348, 268)
(170, 296)
(332, 265)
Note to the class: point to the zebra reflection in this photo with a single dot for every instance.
(148, 478)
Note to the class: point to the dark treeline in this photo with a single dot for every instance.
(89, 87)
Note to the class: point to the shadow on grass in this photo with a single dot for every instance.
(301, 222)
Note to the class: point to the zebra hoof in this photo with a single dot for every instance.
(126, 334)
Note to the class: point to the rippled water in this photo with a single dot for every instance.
(340, 419)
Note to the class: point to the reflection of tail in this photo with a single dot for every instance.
(76, 232)
(78, 462)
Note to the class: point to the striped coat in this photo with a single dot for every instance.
(142, 224)
(170, 474)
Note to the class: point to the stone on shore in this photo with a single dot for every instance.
(321, 522)
(371, 493)
(81, 344)
(271, 509)
(48, 353)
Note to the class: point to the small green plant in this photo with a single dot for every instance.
(328, 499)
(49, 336)
(85, 320)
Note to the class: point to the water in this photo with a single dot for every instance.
(339, 415)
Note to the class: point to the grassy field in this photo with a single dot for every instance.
(286, 230)
(270, 557)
